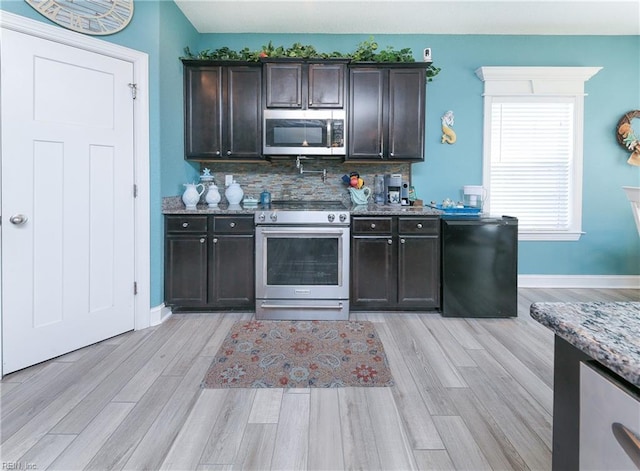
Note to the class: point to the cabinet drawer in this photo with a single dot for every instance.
(186, 224)
(416, 225)
(375, 225)
(233, 224)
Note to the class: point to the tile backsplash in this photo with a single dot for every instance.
(284, 181)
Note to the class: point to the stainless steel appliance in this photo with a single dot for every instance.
(302, 261)
(304, 132)
(393, 188)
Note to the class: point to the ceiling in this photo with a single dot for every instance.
(554, 17)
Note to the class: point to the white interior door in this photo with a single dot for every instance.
(67, 199)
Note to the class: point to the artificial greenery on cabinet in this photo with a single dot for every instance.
(367, 51)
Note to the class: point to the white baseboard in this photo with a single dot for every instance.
(159, 314)
(579, 281)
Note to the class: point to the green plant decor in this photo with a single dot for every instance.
(367, 51)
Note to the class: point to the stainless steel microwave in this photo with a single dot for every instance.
(304, 132)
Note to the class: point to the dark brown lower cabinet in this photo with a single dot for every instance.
(231, 258)
(209, 263)
(395, 263)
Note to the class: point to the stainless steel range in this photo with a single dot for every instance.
(302, 261)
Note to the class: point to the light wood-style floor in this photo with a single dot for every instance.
(470, 394)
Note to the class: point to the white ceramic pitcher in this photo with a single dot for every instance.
(191, 195)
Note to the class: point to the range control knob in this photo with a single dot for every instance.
(343, 217)
(331, 217)
(273, 216)
(261, 217)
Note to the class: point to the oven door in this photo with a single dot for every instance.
(302, 262)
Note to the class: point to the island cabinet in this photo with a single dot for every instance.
(293, 84)
(209, 262)
(386, 113)
(223, 111)
(395, 263)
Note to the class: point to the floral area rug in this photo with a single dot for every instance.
(299, 354)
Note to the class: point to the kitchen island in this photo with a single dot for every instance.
(604, 333)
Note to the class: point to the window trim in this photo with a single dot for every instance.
(566, 82)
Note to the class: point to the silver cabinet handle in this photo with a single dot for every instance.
(389, 241)
(185, 224)
(402, 241)
(373, 226)
(215, 240)
(18, 219)
(202, 239)
(628, 440)
(228, 152)
(419, 226)
(232, 224)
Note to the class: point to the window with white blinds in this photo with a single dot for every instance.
(533, 144)
(531, 162)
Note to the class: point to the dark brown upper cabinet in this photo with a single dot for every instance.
(386, 113)
(292, 84)
(223, 111)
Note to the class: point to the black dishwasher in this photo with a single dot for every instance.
(479, 266)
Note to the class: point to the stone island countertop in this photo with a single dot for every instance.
(174, 205)
(608, 332)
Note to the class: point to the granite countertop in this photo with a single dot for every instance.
(174, 205)
(609, 332)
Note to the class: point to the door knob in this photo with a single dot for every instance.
(18, 219)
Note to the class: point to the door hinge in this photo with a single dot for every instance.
(135, 190)
(134, 90)
(135, 288)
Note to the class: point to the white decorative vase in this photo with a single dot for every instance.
(234, 193)
(191, 195)
(213, 196)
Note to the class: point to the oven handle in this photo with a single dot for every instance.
(322, 232)
(299, 306)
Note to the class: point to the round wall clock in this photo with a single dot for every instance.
(97, 17)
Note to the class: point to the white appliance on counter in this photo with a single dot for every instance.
(609, 422)
(633, 195)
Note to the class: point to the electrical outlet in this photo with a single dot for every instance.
(228, 180)
(426, 54)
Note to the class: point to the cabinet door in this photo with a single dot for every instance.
(326, 85)
(203, 106)
(185, 270)
(283, 83)
(366, 123)
(232, 282)
(243, 113)
(372, 272)
(406, 114)
(418, 272)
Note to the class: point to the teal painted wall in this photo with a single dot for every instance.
(610, 245)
